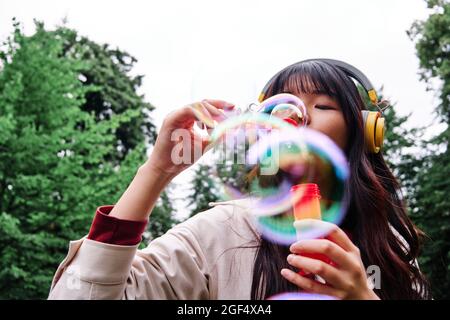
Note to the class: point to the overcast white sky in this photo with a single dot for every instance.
(190, 50)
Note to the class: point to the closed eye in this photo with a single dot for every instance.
(323, 107)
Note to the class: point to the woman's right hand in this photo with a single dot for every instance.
(178, 146)
(138, 201)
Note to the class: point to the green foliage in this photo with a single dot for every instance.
(161, 219)
(58, 158)
(204, 189)
(431, 207)
(433, 50)
(110, 71)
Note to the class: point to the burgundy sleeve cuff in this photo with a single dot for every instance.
(113, 230)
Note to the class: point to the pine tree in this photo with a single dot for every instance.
(161, 219)
(109, 70)
(58, 162)
(204, 189)
(432, 206)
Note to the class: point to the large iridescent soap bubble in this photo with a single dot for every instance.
(306, 157)
(262, 157)
(240, 174)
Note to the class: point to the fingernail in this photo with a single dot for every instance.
(290, 257)
(296, 246)
(285, 272)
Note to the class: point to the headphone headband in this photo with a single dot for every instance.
(347, 68)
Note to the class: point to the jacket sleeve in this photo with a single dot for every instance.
(172, 266)
(113, 230)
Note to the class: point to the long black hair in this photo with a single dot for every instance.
(375, 202)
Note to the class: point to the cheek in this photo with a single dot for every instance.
(341, 135)
(333, 125)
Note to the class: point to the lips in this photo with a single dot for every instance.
(291, 121)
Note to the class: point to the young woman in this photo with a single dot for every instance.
(219, 254)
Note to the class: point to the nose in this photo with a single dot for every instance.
(307, 115)
(307, 119)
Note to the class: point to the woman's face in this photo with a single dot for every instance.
(325, 115)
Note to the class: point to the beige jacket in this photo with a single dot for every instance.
(201, 258)
(209, 256)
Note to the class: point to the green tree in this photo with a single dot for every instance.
(58, 162)
(162, 218)
(432, 206)
(110, 71)
(204, 189)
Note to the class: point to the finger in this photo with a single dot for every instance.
(338, 236)
(220, 104)
(309, 285)
(325, 247)
(329, 231)
(202, 114)
(330, 274)
(181, 118)
(217, 113)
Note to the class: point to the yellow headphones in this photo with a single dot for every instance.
(374, 122)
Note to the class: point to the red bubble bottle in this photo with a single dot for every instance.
(306, 205)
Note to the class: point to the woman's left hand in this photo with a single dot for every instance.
(346, 279)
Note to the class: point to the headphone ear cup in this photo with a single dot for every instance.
(373, 130)
(380, 130)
